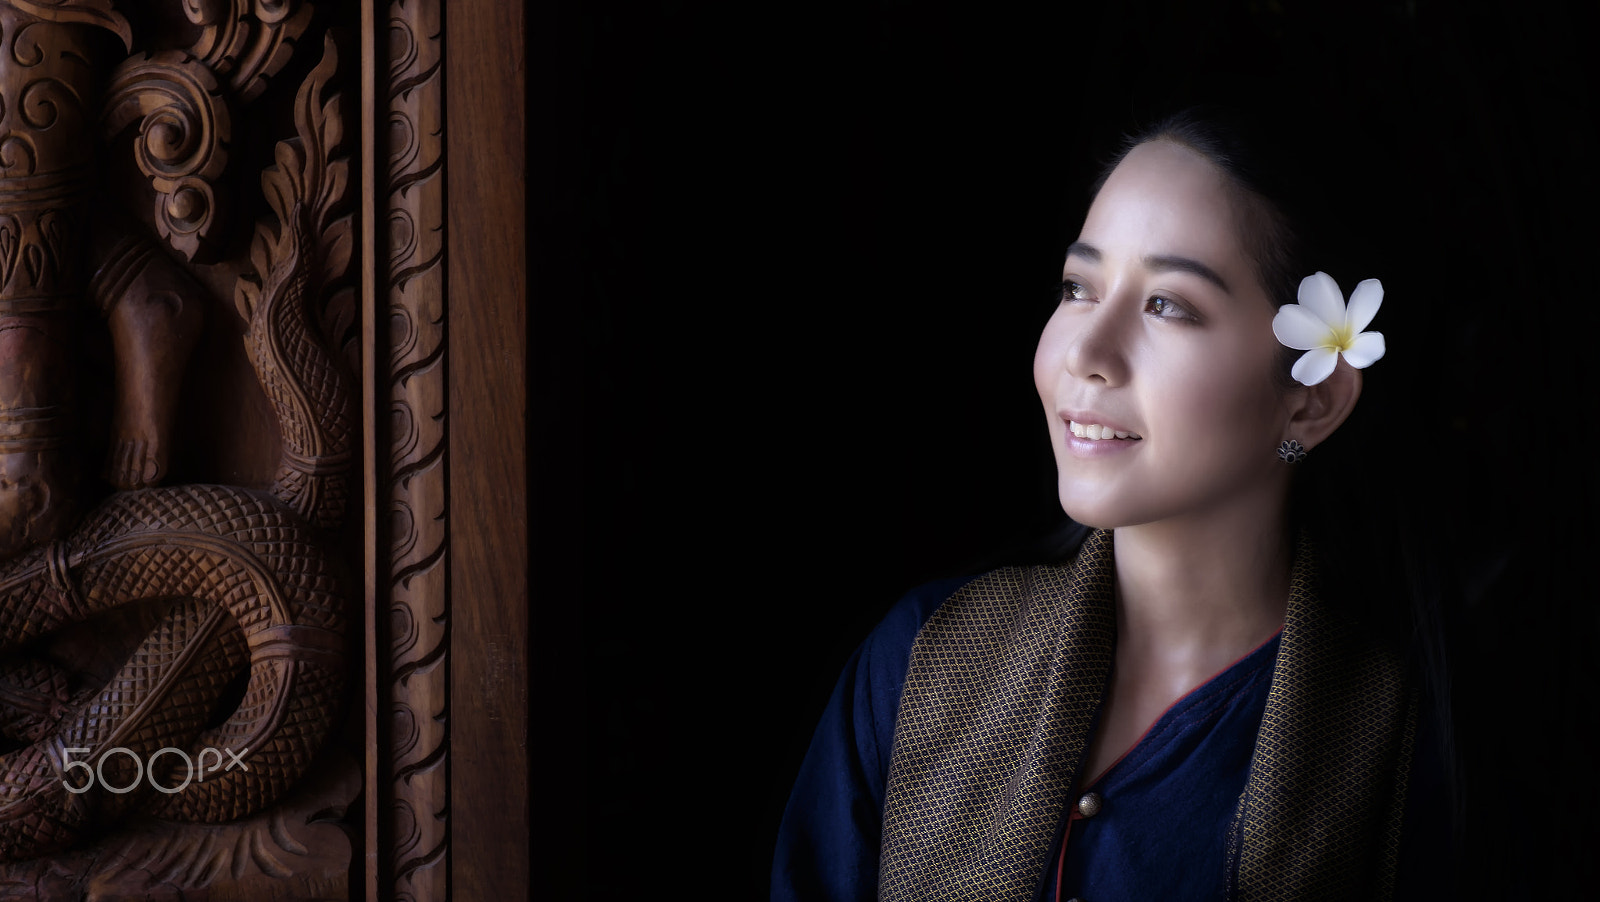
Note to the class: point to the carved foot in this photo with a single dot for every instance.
(137, 459)
(154, 316)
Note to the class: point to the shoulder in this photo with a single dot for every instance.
(888, 647)
(880, 666)
(886, 653)
(828, 841)
(937, 618)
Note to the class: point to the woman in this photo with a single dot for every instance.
(1180, 707)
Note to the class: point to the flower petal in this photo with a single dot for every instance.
(1320, 294)
(1315, 366)
(1299, 328)
(1365, 350)
(1364, 303)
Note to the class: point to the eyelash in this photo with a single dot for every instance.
(1182, 312)
(1069, 291)
(1075, 291)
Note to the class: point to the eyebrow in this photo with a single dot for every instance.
(1086, 251)
(1158, 263)
(1184, 264)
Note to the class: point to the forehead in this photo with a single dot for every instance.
(1166, 200)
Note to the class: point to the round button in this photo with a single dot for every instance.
(1090, 804)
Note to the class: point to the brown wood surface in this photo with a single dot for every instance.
(488, 477)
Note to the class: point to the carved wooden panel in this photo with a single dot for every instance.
(226, 265)
(174, 667)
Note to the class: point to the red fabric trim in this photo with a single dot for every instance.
(1061, 862)
(1078, 792)
(1201, 685)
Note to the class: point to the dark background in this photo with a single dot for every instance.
(789, 262)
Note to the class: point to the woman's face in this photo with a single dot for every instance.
(1157, 369)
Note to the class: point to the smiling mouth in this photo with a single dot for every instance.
(1095, 432)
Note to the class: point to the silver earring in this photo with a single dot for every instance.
(1291, 452)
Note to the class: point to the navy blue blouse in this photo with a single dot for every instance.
(1165, 805)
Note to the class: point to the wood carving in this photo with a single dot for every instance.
(180, 99)
(416, 783)
(296, 851)
(150, 305)
(184, 130)
(236, 602)
(46, 154)
(247, 41)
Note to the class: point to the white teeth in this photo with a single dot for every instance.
(1097, 433)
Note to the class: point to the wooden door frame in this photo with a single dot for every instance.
(444, 270)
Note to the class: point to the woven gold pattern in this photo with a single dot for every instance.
(1004, 683)
(1320, 814)
(1003, 687)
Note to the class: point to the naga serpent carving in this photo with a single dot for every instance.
(242, 586)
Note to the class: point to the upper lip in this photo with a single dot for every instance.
(1090, 418)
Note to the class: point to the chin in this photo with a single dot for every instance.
(1089, 512)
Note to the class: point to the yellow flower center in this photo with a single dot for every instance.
(1340, 338)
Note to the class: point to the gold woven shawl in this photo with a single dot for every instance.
(1003, 688)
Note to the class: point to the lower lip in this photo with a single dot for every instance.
(1083, 447)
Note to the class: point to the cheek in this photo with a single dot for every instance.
(1047, 360)
(1233, 405)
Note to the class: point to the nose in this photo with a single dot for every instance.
(1095, 349)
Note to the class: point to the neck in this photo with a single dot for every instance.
(1198, 594)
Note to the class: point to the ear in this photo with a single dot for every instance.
(1317, 410)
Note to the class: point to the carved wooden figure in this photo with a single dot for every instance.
(47, 125)
(236, 591)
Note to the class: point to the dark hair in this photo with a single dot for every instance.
(1233, 145)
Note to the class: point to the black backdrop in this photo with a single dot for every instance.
(788, 264)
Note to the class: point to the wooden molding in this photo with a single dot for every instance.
(408, 803)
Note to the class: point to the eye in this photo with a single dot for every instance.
(1166, 308)
(1073, 291)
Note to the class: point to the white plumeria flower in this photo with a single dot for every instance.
(1322, 327)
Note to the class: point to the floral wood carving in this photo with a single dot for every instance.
(87, 12)
(235, 590)
(184, 130)
(247, 41)
(181, 101)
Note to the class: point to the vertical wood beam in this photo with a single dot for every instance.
(487, 247)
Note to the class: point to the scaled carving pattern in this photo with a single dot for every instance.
(247, 602)
(419, 556)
